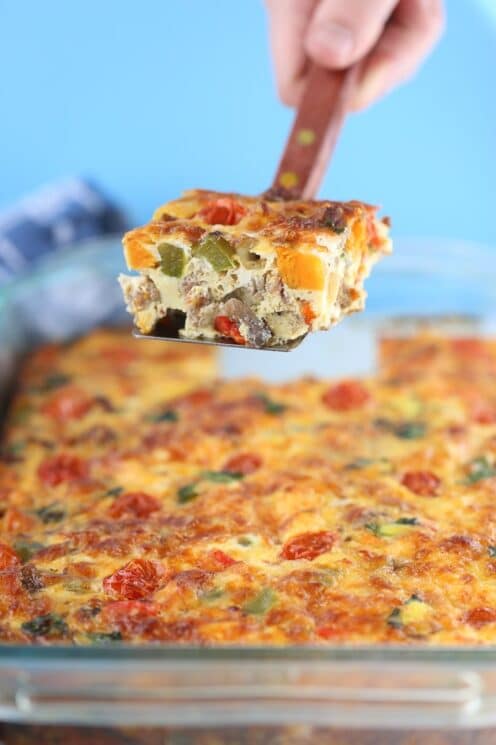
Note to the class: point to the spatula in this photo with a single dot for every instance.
(310, 145)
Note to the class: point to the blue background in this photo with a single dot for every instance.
(155, 96)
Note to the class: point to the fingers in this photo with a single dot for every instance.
(288, 21)
(343, 31)
(413, 30)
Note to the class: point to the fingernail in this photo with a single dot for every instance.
(335, 40)
(371, 87)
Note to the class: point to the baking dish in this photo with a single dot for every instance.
(295, 695)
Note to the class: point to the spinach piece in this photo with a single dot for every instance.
(271, 407)
(394, 619)
(26, 549)
(114, 492)
(187, 493)
(403, 430)
(492, 552)
(261, 603)
(52, 382)
(358, 463)
(410, 430)
(168, 415)
(98, 637)
(49, 624)
(222, 477)
(51, 513)
(480, 469)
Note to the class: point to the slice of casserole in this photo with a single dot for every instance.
(249, 269)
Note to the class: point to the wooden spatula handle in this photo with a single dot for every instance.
(313, 137)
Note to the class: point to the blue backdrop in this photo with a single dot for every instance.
(155, 96)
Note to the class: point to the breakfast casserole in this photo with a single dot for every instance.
(144, 501)
(252, 270)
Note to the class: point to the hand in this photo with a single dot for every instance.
(396, 35)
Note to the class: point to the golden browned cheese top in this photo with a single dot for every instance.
(280, 223)
(144, 502)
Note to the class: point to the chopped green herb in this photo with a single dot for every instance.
(48, 624)
(163, 416)
(394, 618)
(172, 259)
(222, 477)
(26, 549)
(52, 382)
(187, 493)
(271, 407)
(414, 599)
(104, 638)
(358, 463)
(114, 492)
(410, 430)
(261, 603)
(403, 430)
(217, 251)
(51, 513)
(492, 552)
(480, 469)
(406, 521)
(243, 540)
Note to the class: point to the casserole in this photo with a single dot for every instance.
(383, 694)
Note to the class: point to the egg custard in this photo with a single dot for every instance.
(251, 270)
(144, 501)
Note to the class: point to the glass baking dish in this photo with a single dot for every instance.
(164, 694)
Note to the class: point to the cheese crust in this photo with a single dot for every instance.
(143, 501)
(255, 271)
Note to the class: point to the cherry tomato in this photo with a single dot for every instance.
(229, 328)
(130, 616)
(244, 463)
(62, 467)
(68, 403)
(347, 395)
(135, 580)
(8, 557)
(423, 483)
(136, 504)
(308, 545)
(118, 356)
(223, 559)
(480, 616)
(223, 211)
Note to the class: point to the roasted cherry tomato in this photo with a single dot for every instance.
(68, 403)
(308, 545)
(130, 616)
(347, 395)
(423, 483)
(8, 557)
(62, 467)
(229, 328)
(222, 558)
(135, 580)
(135, 504)
(244, 463)
(223, 211)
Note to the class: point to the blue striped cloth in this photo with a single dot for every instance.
(52, 218)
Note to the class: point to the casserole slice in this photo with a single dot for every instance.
(251, 269)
